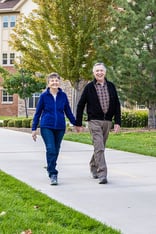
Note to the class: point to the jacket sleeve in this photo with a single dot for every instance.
(117, 114)
(38, 113)
(68, 112)
(80, 107)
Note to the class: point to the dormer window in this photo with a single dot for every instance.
(12, 21)
(5, 21)
(9, 21)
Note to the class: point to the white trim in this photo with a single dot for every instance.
(2, 1)
(18, 5)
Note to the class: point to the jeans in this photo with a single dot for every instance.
(52, 139)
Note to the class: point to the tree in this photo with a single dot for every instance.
(132, 34)
(59, 36)
(23, 83)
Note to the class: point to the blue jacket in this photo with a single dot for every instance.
(52, 112)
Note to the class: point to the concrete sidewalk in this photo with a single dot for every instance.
(127, 202)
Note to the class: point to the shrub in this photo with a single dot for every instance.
(31, 123)
(26, 123)
(10, 123)
(18, 123)
(5, 122)
(132, 119)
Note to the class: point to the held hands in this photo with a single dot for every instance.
(79, 128)
(34, 135)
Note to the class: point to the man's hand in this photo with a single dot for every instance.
(116, 128)
(34, 135)
(79, 128)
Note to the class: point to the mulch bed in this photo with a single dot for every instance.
(28, 130)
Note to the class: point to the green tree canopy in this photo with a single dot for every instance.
(63, 36)
(23, 82)
(59, 36)
(132, 34)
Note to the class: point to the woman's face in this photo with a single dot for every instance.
(54, 83)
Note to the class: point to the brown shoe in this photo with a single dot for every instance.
(94, 176)
(103, 181)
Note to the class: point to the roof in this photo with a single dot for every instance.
(8, 3)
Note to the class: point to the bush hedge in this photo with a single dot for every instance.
(10, 123)
(5, 122)
(26, 123)
(129, 119)
(133, 119)
(17, 123)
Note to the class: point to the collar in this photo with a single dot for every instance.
(48, 90)
(95, 81)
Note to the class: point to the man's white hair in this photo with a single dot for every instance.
(97, 64)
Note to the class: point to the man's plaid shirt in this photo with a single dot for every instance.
(103, 96)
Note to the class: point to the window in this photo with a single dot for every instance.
(5, 21)
(12, 57)
(8, 60)
(12, 21)
(9, 21)
(6, 97)
(5, 58)
(32, 102)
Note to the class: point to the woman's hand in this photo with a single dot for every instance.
(34, 135)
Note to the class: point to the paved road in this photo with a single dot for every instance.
(127, 202)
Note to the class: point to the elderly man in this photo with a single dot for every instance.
(102, 105)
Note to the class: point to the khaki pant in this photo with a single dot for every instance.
(99, 130)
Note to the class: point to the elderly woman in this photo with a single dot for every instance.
(52, 107)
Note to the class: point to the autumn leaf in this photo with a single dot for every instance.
(2, 213)
(27, 232)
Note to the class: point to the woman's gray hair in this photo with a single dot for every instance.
(97, 64)
(53, 75)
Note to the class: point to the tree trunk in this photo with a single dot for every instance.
(152, 115)
(78, 88)
(26, 110)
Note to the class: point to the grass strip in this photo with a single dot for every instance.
(25, 210)
(135, 142)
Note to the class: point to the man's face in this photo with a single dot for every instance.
(99, 73)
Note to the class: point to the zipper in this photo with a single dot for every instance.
(55, 112)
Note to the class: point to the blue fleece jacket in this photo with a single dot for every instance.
(51, 112)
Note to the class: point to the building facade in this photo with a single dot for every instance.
(9, 12)
(12, 105)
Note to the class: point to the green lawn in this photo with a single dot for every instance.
(23, 208)
(137, 142)
(6, 117)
